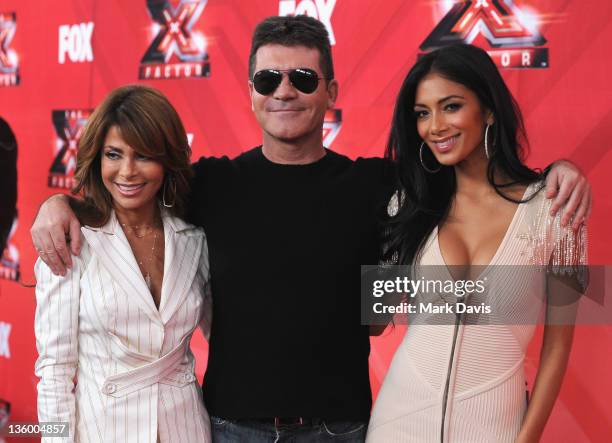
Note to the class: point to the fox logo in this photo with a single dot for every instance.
(322, 10)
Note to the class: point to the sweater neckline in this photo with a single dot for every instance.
(295, 167)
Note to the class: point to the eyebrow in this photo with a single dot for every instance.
(115, 148)
(442, 100)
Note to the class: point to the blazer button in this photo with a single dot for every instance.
(111, 388)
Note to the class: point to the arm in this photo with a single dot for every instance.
(56, 327)
(54, 221)
(197, 185)
(571, 189)
(206, 320)
(566, 280)
(553, 363)
(388, 259)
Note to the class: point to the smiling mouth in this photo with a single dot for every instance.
(446, 144)
(129, 190)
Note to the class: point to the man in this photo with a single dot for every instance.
(288, 226)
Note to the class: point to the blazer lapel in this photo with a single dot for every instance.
(112, 248)
(182, 256)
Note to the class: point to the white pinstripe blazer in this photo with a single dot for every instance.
(133, 366)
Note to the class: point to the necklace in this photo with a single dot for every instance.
(136, 228)
(146, 270)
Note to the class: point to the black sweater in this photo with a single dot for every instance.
(286, 243)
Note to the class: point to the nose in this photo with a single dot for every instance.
(127, 169)
(438, 124)
(285, 91)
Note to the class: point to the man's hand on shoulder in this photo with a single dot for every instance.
(54, 222)
(570, 188)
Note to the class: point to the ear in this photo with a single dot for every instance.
(251, 92)
(490, 118)
(332, 93)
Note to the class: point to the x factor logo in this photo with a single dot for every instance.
(511, 32)
(177, 50)
(69, 125)
(9, 62)
(332, 124)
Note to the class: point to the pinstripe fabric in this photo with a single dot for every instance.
(486, 400)
(110, 363)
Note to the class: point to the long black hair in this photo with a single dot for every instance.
(426, 197)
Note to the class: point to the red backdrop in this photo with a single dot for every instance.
(65, 56)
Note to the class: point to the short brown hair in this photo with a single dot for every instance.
(150, 125)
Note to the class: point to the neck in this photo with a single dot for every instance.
(146, 215)
(471, 175)
(301, 152)
(472, 181)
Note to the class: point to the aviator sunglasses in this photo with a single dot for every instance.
(303, 79)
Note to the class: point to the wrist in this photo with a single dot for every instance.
(528, 437)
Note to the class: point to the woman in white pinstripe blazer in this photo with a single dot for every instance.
(113, 333)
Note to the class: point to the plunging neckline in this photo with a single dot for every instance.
(499, 249)
(137, 270)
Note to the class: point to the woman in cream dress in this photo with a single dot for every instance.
(459, 377)
(113, 333)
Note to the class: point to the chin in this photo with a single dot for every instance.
(288, 136)
(130, 204)
(446, 161)
(451, 159)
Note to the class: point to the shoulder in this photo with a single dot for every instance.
(206, 165)
(80, 263)
(210, 174)
(380, 170)
(362, 162)
(552, 241)
(180, 226)
(212, 164)
(374, 162)
(537, 206)
(193, 236)
(374, 169)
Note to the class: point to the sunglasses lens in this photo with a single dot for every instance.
(266, 81)
(304, 80)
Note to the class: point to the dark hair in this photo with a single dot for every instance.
(427, 197)
(300, 30)
(150, 125)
